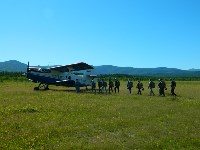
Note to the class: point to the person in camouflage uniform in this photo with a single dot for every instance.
(173, 86)
(151, 86)
(104, 85)
(93, 84)
(129, 85)
(77, 86)
(110, 85)
(100, 85)
(117, 85)
(139, 87)
(162, 87)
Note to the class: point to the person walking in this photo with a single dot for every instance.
(162, 87)
(100, 86)
(110, 86)
(104, 86)
(139, 87)
(173, 86)
(129, 85)
(93, 84)
(117, 84)
(77, 86)
(151, 86)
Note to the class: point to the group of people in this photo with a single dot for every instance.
(139, 86)
(151, 85)
(102, 86)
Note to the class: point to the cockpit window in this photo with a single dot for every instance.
(45, 70)
(42, 70)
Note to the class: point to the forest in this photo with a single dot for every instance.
(20, 76)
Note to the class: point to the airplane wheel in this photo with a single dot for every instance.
(43, 86)
(36, 88)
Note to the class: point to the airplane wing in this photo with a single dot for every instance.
(72, 67)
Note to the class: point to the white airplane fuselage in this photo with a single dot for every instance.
(53, 77)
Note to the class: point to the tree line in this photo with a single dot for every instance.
(12, 76)
(125, 77)
(20, 76)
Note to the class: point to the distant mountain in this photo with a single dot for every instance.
(160, 71)
(12, 66)
(194, 70)
(16, 66)
(109, 69)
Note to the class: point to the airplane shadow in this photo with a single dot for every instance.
(73, 91)
(84, 91)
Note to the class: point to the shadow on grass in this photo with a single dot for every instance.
(28, 110)
(82, 91)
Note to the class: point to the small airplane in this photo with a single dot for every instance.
(62, 75)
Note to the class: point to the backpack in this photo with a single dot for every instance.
(111, 83)
(99, 84)
(117, 83)
(130, 84)
(174, 83)
(93, 85)
(153, 84)
(139, 85)
(164, 84)
(105, 84)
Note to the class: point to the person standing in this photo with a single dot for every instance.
(117, 84)
(129, 85)
(173, 86)
(151, 86)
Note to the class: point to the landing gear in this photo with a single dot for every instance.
(42, 86)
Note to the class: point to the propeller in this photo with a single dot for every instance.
(27, 67)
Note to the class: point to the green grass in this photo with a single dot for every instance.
(62, 119)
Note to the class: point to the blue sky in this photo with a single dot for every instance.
(128, 33)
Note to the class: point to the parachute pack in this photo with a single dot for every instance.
(139, 85)
(111, 84)
(131, 84)
(105, 84)
(153, 84)
(174, 83)
(117, 83)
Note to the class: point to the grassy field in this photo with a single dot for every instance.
(62, 119)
